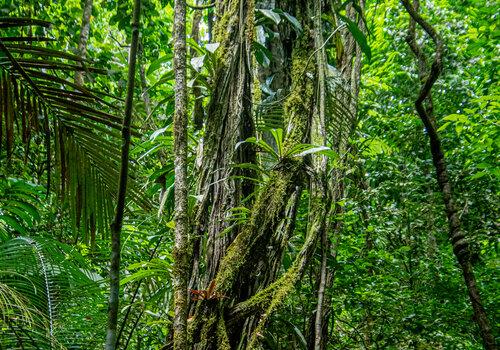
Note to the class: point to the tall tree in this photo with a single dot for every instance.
(348, 62)
(180, 274)
(424, 107)
(245, 273)
(116, 226)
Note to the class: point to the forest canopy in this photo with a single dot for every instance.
(249, 174)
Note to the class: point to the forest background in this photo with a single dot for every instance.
(335, 168)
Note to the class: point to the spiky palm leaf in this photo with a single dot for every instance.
(340, 120)
(339, 104)
(53, 293)
(76, 129)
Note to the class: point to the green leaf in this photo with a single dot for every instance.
(155, 65)
(457, 118)
(273, 16)
(293, 21)
(359, 36)
(13, 223)
(262, 54)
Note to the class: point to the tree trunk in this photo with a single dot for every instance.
(116, 226)
(349, 64)
(180, 272)
(198, 113)
(144, 83)
(229, 121)
(460, 244)
(216, 325)
(84, 37)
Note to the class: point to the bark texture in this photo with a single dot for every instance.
(242, 283)
(180, 273)
(84, 37)
(116, 226)
(229, 120)
(457, 237)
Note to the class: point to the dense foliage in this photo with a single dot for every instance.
(341, 211)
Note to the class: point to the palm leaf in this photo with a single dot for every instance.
(79, 128)
(49, 291)
(18, 211)
(340, 120)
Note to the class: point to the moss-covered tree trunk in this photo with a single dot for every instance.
(229, 120)
(180, 271)
(240, 284)
(230, 315)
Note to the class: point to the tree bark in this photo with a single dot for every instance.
(229, 120)
(144, 83)
(242, 324)
(198, 113)
(84, 37)
(457, 237)
(116, 226)
(180, 272)
(318, 136)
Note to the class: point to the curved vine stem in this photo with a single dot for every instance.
(460, 244)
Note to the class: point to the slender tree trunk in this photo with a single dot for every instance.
(460, 244)
(320, 164)
(116, 226)
(144, 83)
(197, 93)
(363, 188)
(197, 119)
(84, 37)
(180, 271)
(349, 64)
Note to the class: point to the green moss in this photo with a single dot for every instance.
(207, 333)
(269, 205)
(225, 31)
(222, 338)
(265, 216)
(298, 105)
(250, 30)
(272, 297)
(227, 28)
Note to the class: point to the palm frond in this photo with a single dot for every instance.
(18, 206)
(51, 290)
(78, 129)
(340, 119)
